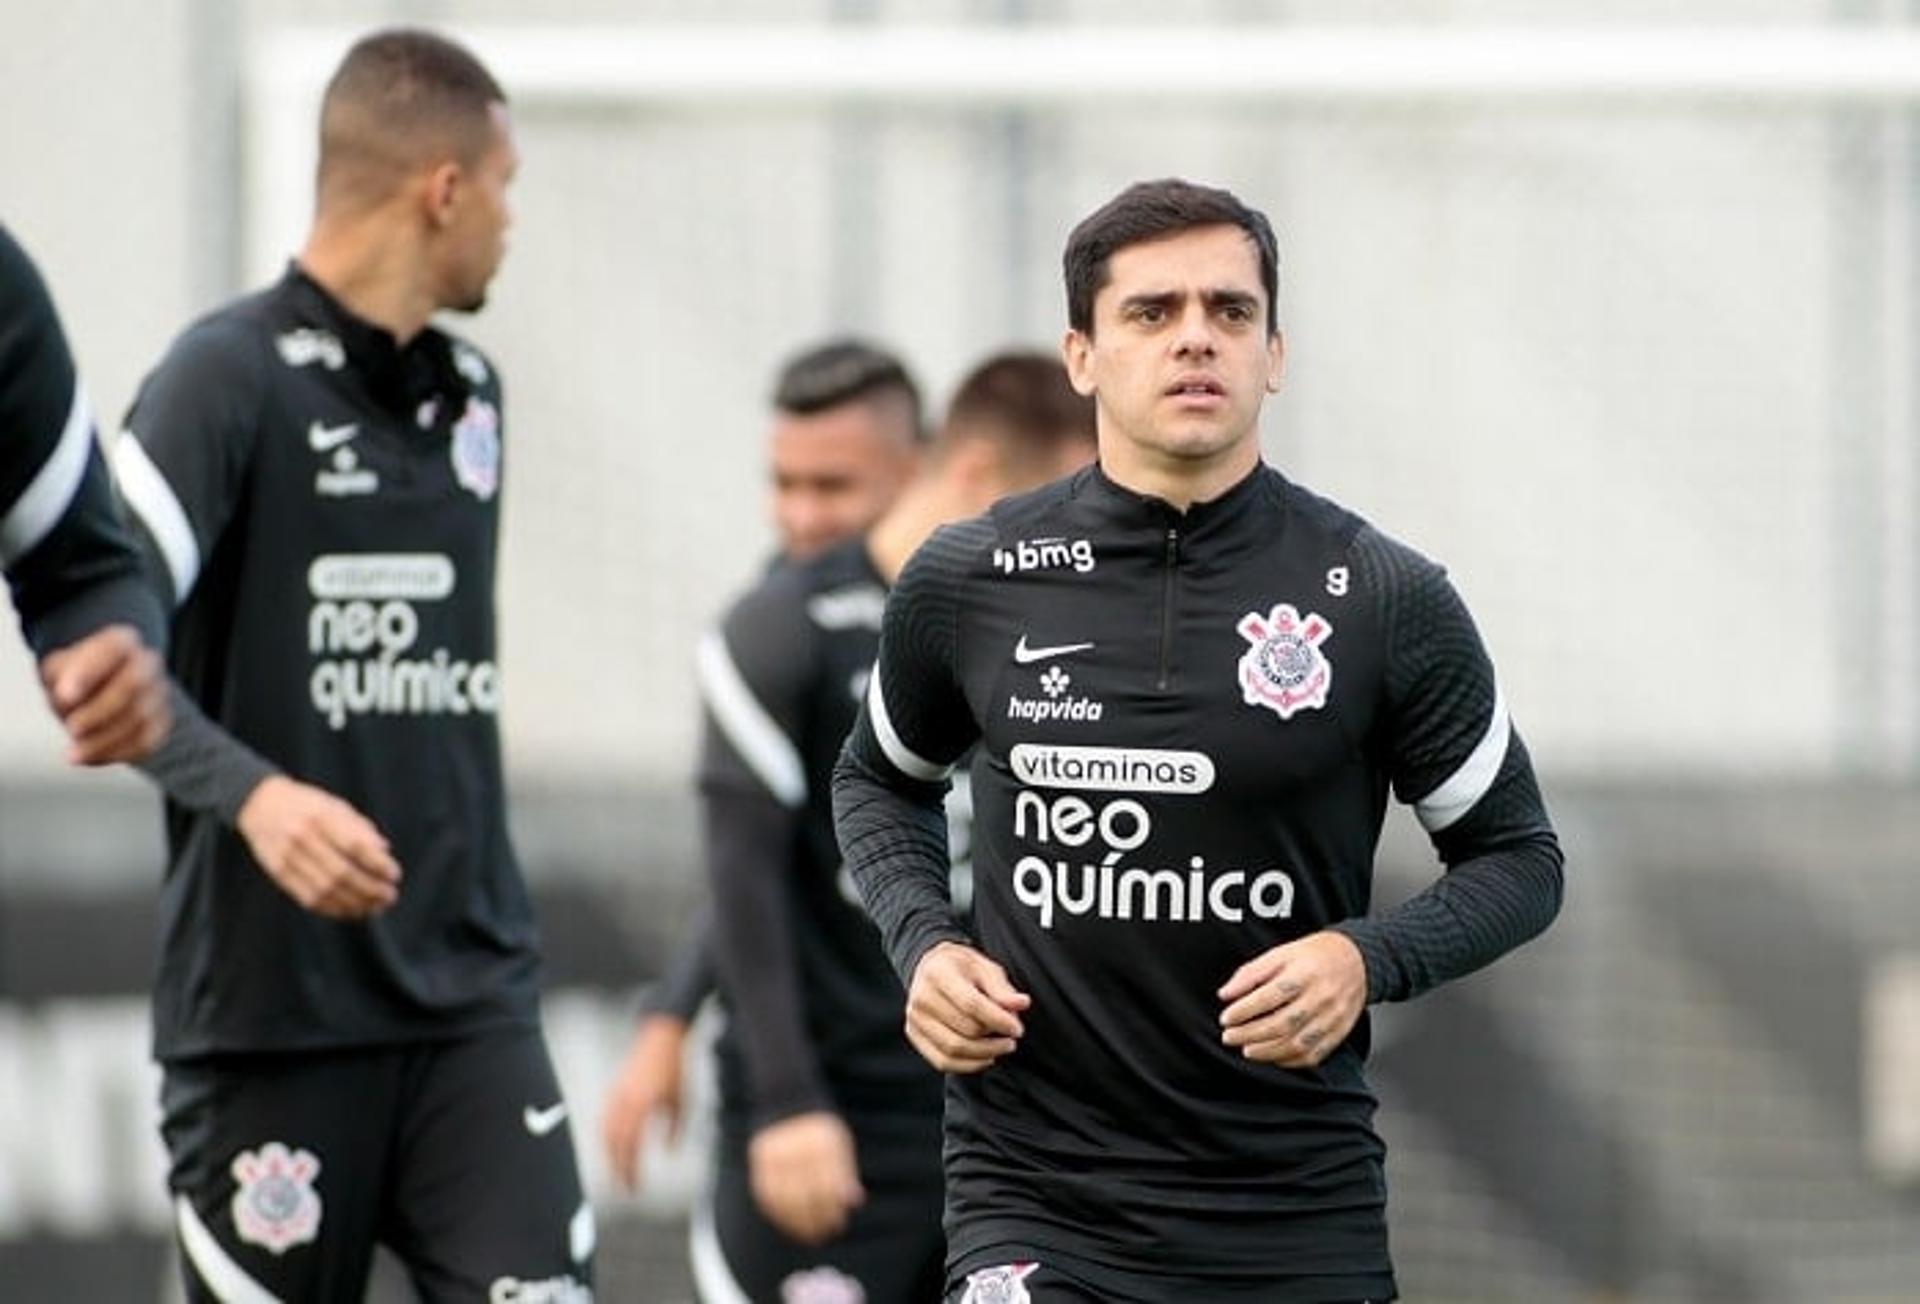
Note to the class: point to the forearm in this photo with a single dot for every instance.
(83, 573)
(749, 839)
(1483, 907)
(203, 767)
(690, 977)
(91, 605)
(894, 843)
(1456, 758)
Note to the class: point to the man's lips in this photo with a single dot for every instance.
(1196, 389)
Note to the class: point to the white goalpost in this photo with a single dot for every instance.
(981, 67)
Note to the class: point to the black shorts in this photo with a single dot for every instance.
(1024, 1274)
(892, 1252)
(288, 1168)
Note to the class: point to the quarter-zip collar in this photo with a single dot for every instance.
(399, 379)
(1231, 518)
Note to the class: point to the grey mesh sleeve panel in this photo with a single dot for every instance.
(86, 572)
(70, 563)
(755, 672)
(1454, 755)
(690, 977)
(755, 675)
(915, 703)
(893, 836)
(888, 786)
(1446, 724)
(746, 837)
(182, 460)
(203, 767)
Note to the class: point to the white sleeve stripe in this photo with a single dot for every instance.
(212, 1264)
(35, 512)
(904, 758)
(712, 1275)
(768, 752)
(1450, 801)
(154, 502)
(581, 1236)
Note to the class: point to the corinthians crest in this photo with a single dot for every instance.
(1284, 670)
(276, 1205)
(822, 1285)
(476, 449)
(1005, 1284)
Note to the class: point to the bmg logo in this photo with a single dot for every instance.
(1045, 554)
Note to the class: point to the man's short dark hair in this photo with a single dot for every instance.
(1023, 402)
(841, 371)
(1151, 210)
(399, 99)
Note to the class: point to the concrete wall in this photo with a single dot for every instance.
(1640, 374)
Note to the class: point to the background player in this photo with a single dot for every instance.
(69, 563)
(828, 1178)
(845, 436)
(1189, 685)
(349, 1058)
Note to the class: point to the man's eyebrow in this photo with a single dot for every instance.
(1216, 298)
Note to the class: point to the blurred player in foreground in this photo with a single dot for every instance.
(69, 562)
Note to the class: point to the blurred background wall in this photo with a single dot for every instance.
(1639, 367)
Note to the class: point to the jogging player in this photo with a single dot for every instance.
(69, 562)
(351, 1055)
(846, 436)
(828, 1177)
(1189, 685)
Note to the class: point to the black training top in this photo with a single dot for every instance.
(815, 1011)
(69, 561)
(321, 510)
(1187, 725)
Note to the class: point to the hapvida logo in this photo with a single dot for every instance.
(1036, 711)
(1054, 682)
(343, 476)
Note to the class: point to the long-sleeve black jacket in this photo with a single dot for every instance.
(1187, 728)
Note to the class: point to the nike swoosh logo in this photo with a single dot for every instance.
(1026, 656)
(324, 439)
(542, 1121)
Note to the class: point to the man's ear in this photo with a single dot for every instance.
(442, 192)
(1076, 351)
(980, 466)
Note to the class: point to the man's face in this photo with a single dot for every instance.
(836, 471)
(477, 233)
(1179, 358)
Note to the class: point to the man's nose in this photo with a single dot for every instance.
(1194, 335)
(805, 523)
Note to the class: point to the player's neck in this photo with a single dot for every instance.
(925, 505)
(1179, 482)
(375, 277)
